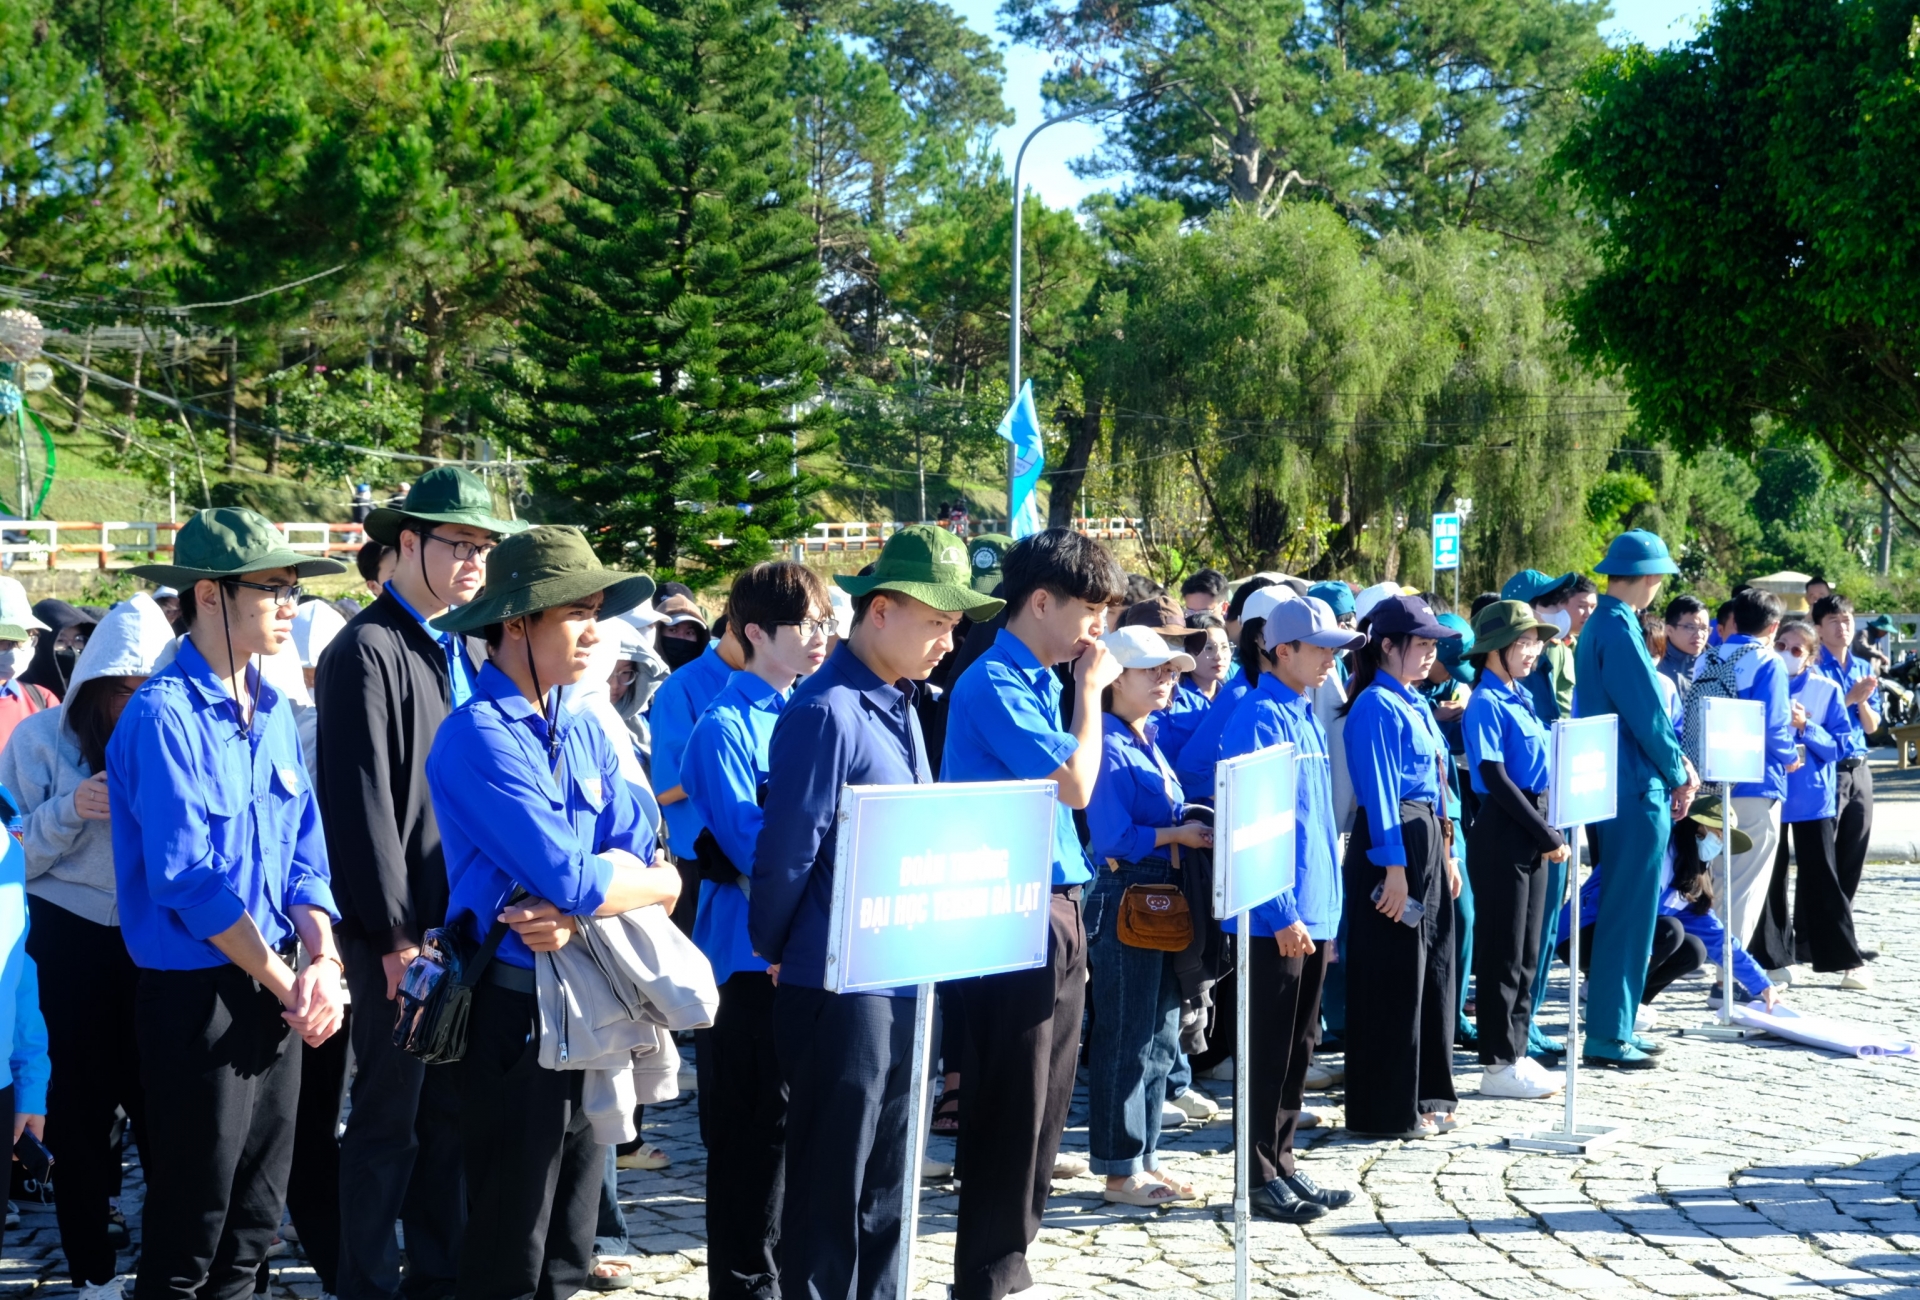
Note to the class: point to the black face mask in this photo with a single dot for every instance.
(679, 651)
(64, 659)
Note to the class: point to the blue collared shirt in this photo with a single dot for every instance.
(1761, 676)
(509, 819)
(723, 769)
(1811, 791)
(1003, 724)
(1854, 742)
(1194, 767)
(842, 726)
(210, 822)
(1175, 724)
(1500, 726)
(460, 674)
(1135, 795)
(1274, 714)
(676, 707)
(1395, 753)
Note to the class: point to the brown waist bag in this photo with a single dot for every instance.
(1155, 916)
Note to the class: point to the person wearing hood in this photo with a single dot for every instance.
(700, 670)
(638, 673)
(55, 768)
(57, 649)
(20, 631)
(387, 683)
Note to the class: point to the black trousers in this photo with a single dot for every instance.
(1819, 928)
(313, 1185)
(533, 1168)
(1400, 985)
(1675, 954)
(743, 1121)
(1023, 1044)
(1283, 1023)
(1510, 901)
(400, 1156)
(1853, 822)
(222, 1076)
(845, 1057)
(87, 989)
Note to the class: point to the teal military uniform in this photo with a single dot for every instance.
(1615, 675)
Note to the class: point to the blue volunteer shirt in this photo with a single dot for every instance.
(211, 821)
(1811, 791)
(510, 817)
(460, 673)
(1853, 742)
(1274, 714)
(842, 726)
(1175, 724)
(1500, 726)
(1135, 795)
(23, 1030)
(1194, 767)
(1761, 676)
(1395, 753)
(1003, 724)
(723, 769)
(675, 708)
(1704, 926)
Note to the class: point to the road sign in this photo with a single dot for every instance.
(1736, 741)
(1583, 775)
(1446, 542)
(1255, 799)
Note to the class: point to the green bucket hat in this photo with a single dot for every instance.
(447, 495)
(1500, 624)
(227, 542)
(930, 564)
(538, 569)
(988, 555)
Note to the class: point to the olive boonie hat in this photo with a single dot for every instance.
(447, 495)
(227, 542)
(1883, 624)
(1502, 623)
(538, 569)
(988, 555)
(929, 564)
(1706, 811)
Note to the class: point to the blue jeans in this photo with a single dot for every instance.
(1136, 1030)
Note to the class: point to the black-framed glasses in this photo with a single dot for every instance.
(813, 627)
(462, 551)
(282, 595)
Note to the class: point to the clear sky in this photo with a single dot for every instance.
(1653, 22)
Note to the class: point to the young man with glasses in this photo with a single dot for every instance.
(382, 689)
(784, 619)
(1688, 627)
(221, 876)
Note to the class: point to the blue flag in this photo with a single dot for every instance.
(1021, 427)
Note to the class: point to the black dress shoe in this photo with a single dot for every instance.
(1305, 1188)
(1869, 954)
(1277, 1201)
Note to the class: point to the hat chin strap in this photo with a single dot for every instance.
(241, 697)
(427, 582)
(546, 714)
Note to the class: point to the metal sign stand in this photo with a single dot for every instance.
(917, 1100)
(1242, 1093)
(1723, 1029)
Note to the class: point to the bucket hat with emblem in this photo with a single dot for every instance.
(543, 567)
(988, 555)
(229, 541)
(447, 495)
(929, 564)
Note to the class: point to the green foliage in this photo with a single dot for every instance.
(362, 408)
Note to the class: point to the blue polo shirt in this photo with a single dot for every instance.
(1853, 742)
(1003, 724)
(211, 821)
(1175, 724)
(1812, 791)
(1194, 767)
(460, 674)
(842, 726)
(1275, 714)
(1761, 676)
(511, 818)
(1394, 752)
(1135, 795)
(723, 769)
(1500, 726)
(674, 710)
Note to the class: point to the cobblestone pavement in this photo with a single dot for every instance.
(1756, 1168)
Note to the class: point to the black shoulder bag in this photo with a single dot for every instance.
(436, 992)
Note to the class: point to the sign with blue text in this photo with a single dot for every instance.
(1583, 776)
(1446, 542)
(939, 882)
(1736, 741)
(1255, 805)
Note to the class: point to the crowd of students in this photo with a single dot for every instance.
(243, 823)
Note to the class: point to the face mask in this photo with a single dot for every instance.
(1562, 622)
(13, 662)
(1710, 847)
(64, 660)
(678, 651)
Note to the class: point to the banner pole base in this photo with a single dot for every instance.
(1716, 1032)
(1580, 1140)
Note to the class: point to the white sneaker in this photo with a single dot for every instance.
(1857, 978)
(1507, 1081)
(1171, 1116)
(1069, 1165)
(1196, 1105)
(110, 1290)
(1645, 1019)
(1528, 1068)
(1322, 1077)
(1783, 976)
(1222, 1072)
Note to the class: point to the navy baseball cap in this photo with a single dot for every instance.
(1406, 616)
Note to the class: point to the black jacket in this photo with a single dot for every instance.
(382, 692)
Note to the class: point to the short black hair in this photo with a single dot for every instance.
(1481, 601)
(1240, 594)
(1582, 586)
(1436, 602)
(1065, 563)
(1205, 620)
(1725, 611)
(771, 593)
(1140, 587)
(1822, 581)
(1754, 611)
(367, 561)
(672, 589)
(1207, 582)
(1829, 605)
(1681, 606)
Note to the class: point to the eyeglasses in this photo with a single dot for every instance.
(1798, 652)
(1688, 627)
(462, 551)
(811, 628)
(281, 595)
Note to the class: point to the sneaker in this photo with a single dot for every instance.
(1645, 1018)
(1322, 1077)
(1528, 1068)
(1171, 1116)
(1308, 1119)
(1782, 975)
(1221, 1073)
(932, 1170)
(1857, 978)
(1069, 1165)
(1277, 1201)
(1196, 1105)
(645, 1156)
(1740, 995)
(1307, 1190)
(1510, 1081)
(111, 1290)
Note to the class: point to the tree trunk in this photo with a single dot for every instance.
(433, 326)
(1073, 469)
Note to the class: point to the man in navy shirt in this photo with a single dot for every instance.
(846, 1056)
(1023, 1028)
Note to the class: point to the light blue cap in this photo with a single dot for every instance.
(1634, 553)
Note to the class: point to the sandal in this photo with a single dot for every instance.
(1182, 1191)
(644, 1156)
(946, 1122)
(622, 1276)
(1140, 1189)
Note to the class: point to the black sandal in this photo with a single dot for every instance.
(942, 1115)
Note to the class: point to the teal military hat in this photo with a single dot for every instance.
(1634, 554)
(1530, 586)
(1454, 650)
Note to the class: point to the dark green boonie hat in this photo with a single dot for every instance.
(930, 564)
(1502, 623)
(226, 543)
(447, 495)
(538, 569)
(988, 555)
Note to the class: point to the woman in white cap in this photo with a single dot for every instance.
(1136, 833)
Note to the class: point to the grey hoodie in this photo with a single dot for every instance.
(70, 859)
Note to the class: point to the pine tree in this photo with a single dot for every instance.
(675, 340)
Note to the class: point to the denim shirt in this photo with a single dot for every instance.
(723, 769)
(1395, 753)
(1500, 726)
(1135, 795)
(211, 821)
(1273, 714)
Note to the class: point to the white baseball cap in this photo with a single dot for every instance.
(1264, 601)
(1364, 602)
(1142, 647)
(315, 624)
